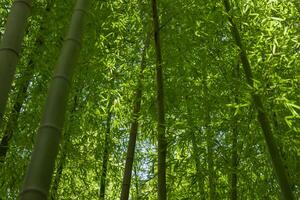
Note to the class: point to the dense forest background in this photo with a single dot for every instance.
(216, 147)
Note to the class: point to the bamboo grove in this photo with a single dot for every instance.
(149, 99)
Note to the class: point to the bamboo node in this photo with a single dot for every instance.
(34, 190)
(81, 10)
(63, 77)
(24, 2)
(52, 126)
(74, 40)
(10, 49)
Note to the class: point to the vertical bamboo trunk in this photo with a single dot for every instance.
(22, 92)
(200, 179)
(196, 154)
(38, 178)
(107, 146)
(234, 150)
(63, 158)
(211, 165)
(134, 127)
(161, 127)
(137, 188)
(234, 164)
(262, 116)
(10, 47)
(59, 171)
(209, 141)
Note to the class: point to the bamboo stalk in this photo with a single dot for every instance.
(161, 126)
(10, 48)
(22, 92)
(40, 170)
(134, 127)
(262, 115)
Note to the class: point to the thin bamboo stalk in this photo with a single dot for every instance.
(161, 126)
(262, 115)
(134, 127)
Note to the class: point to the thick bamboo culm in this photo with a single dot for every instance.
(10, 48)
(40, 170)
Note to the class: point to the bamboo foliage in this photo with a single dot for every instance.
(10, 47)
(38, 177)
(262, 115)
(214, 142)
